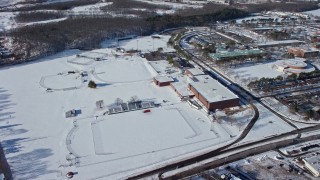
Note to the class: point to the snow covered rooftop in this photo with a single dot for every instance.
(202, 78)
(182, 89)
(163, 79)
(279, 43)
(213, 91)
(238, 53)
(195, 71)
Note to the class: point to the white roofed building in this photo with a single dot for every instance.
(212, 94)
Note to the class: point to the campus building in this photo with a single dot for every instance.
(295, 66)
(193, 72)
(229, 55)
(280, 43)
(212, 94)
(312, 165)
(163, 80)
(181, 88)
(303, 53)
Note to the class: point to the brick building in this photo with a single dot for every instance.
(212, 94)
(163, 80)
(304, 53)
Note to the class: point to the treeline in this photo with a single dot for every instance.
(81, 32)
(88, 32)
(279, 80)
(160, 23)
(279, 35)
(37, 16)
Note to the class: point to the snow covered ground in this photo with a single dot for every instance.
(133, 71)
(36, 134)
(285, 111)
(91, 7)
(9, 2)
(7, 21)
(44, 22)
(267, 125)
(313, 12)
(172, 4)
(143, 43)
(61, 81)
(254, 72)
(235, 123)
(147, 44)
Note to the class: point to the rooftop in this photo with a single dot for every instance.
(164, 79)
(182, 89)
(304, 49)
(229, 54)
(212, 90)
(284, 42)
(195, 71)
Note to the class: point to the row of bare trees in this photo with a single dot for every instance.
(79, 32)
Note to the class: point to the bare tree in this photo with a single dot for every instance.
(118, 101)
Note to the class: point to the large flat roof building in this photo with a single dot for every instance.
(163, 80)
(237, 54)
(194, 72)
(279, 43)
(181, 88)
(213, 95)
(303, 52)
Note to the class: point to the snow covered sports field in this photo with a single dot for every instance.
(313, 12)
(129, 69)
(36, 134)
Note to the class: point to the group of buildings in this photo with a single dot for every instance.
(208, 91)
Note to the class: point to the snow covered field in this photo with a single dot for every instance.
(36, 134)
(91, 7)
(314, 12)
(172, 4)
(267, 125)
(7, 21)
(147, 44)
(61, 81)
(132, 70)
(254, 72)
